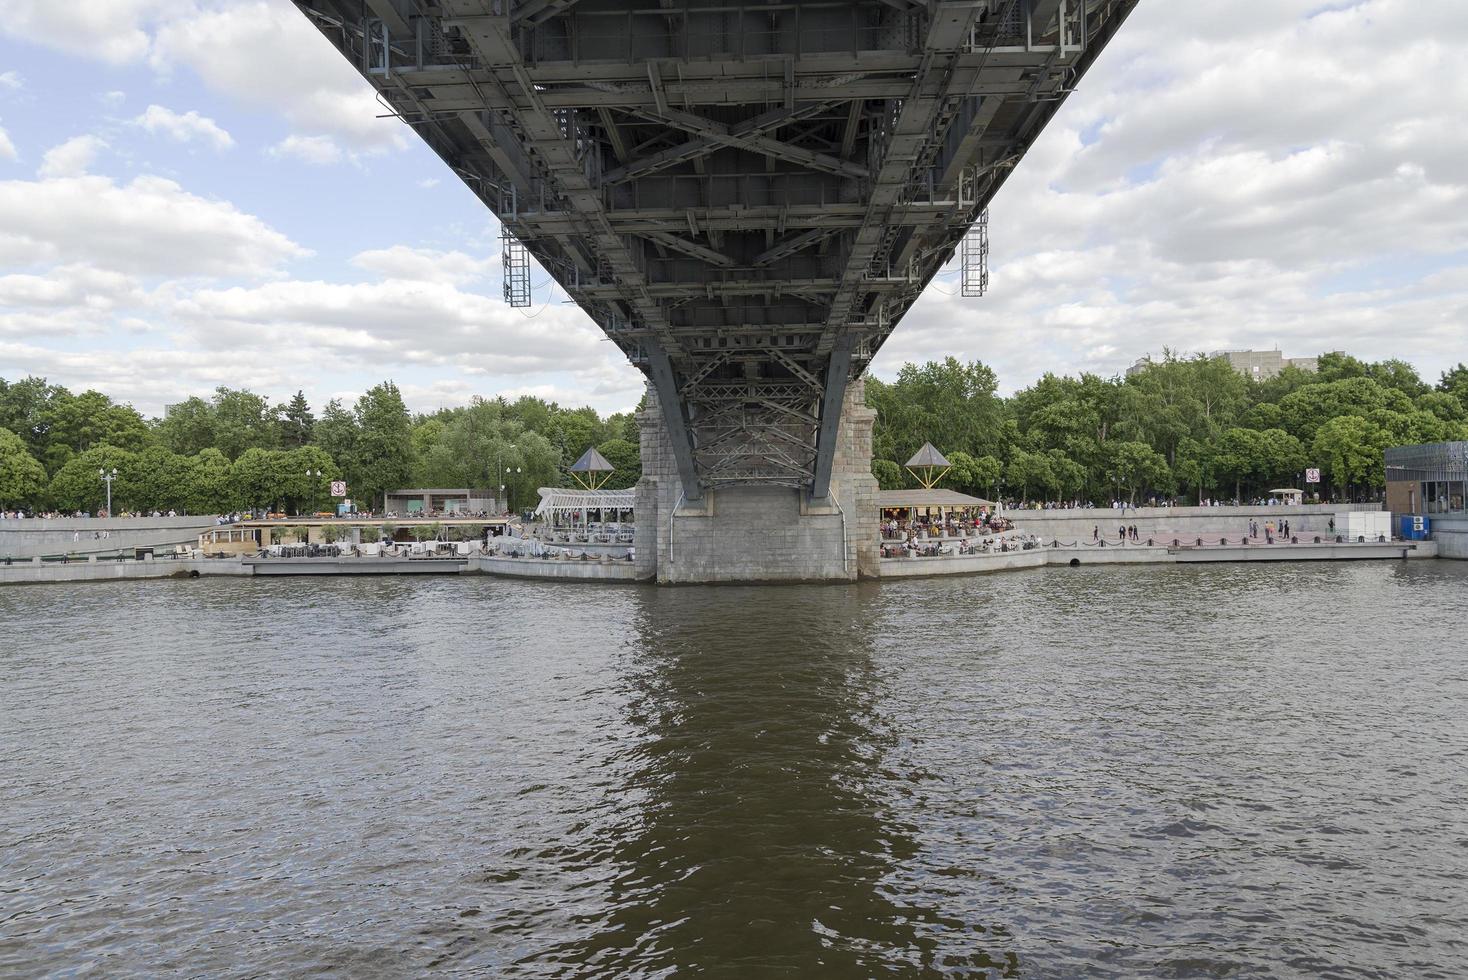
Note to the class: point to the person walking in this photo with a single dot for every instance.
(1096, 531)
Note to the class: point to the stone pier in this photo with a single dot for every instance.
(759, 533)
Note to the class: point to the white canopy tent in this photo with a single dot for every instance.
(560, 506)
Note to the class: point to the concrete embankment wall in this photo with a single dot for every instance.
(1184, 523)
(28, 537)
(560, 569)
(1152, 555)
(1451, 537)
(22, 573)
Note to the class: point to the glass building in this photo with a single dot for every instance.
(1428, 479)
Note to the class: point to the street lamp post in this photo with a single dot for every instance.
(310, 473)
(500, 460)
(107, 478)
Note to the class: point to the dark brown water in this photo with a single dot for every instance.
(1181, 772)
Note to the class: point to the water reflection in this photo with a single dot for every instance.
(768, 837)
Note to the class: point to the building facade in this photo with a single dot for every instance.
(408, 503)
(1430, 479)
(1260, 365)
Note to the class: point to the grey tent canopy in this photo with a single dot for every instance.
(928, 466)
(591, 470)
(592, 461)
(928, 456)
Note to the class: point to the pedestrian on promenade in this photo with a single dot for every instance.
(1096, 532)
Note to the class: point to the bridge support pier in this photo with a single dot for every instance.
(759, 533)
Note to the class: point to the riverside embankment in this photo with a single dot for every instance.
(103, 570)
(1184, 523)
(29, 537)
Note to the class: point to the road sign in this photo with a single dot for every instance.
(1312, 475)
(338, 488)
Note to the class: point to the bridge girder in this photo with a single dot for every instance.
(746, 197)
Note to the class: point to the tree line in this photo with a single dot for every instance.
(1183, 429)
(236, 450)
(1186, 429)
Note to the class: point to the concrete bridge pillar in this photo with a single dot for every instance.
(759, 533)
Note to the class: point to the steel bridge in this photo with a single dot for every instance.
(745, 196)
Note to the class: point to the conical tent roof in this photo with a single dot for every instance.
(592, 461)
(928, 456)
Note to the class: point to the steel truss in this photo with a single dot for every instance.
(746, 197)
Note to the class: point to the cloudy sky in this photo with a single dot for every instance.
(198, 192)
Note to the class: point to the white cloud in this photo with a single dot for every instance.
(68, 285)
(114, 31)
(395, 322)
(423, 265)
(269, 55)
(1247, 177)
(150, 226)
(11, 80)
(71, 158)
(113, 99)
(428, 182)
(185, 127)
(7, 148)
(317, 150)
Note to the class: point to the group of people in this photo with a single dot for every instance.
(934, 548)
(952, 526)
(1125, 533)
(1270, 529)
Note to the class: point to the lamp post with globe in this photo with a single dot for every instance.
(503, 469)
(313, 476)
(107, 478)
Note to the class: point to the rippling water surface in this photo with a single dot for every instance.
(1213, 771)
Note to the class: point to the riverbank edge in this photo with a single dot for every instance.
(608, 571)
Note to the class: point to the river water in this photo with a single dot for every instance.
(1155, 771)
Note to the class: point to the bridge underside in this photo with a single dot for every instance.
(746, 197)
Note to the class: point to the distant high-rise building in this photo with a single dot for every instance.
(1264, 364)
(1259, 365)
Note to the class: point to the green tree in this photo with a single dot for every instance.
(947, 403)
(210, 490)
(78, 487)
(257, 480)
(383, 454)
(1306, 410)
(1282, 457)
(1448, 407)
(1069, 476)
(889, 475)
(336, 432)
(76, 423)
(243, 420)
(187, 427)
(435, 463)
(1195, 466)
(25, 411)
(22, 479)
(296, 421)
(627, 459)
(307, 477)
(1239, 457)
(161, 480)
(1135, 466)
(1028, 471)
(1351, 449)
(974, 475)
(1454, 382)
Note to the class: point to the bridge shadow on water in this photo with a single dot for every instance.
(768, 838)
